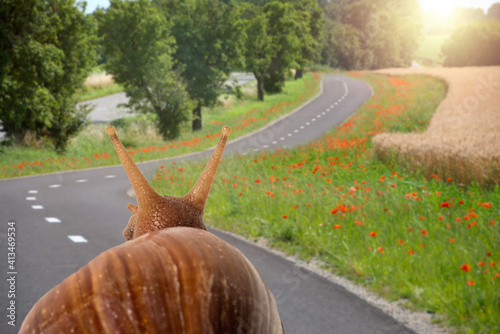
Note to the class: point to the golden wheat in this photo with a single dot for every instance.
(462, 140)
(99, 80)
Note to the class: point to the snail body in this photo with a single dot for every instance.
(171, 276)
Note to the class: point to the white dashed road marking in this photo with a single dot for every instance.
(109, 176)
(81, 181)
(77, 239)
(31, 198)
(33, 192)
(52, 220)
(37, 207)
(55, 186)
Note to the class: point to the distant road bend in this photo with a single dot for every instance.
(65, 219)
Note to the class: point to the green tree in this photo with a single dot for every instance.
(342, 46)
(494, 11)
(473, 44)
(311, 35)
(138, 44)
(47, 49)
(209, 35)
(259, 49)
(380, 33)
(284, 28)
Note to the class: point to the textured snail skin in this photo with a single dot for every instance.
(176, 280)
(171, 276)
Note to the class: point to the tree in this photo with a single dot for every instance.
(473, 44)
(463, 15)
(210, 41)
(47, 49)
(258, 44)
(342, 49)
(284, 27)
(311, 35)
(494, 11)
(372, 33)
(138, 44)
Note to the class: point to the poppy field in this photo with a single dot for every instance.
(424, 240)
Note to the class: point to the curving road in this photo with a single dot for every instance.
(63, 220)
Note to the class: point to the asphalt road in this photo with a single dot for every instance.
(63, 220)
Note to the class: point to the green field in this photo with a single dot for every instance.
(430, 243)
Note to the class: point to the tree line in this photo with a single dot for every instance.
(173, 56)
(475, 39)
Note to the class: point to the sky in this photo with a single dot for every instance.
(440, 5)
(92, 5)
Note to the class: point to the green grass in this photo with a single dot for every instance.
(92, 147)
(429, 52)
(380, 225)
(90, 93)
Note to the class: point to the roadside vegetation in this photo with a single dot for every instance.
(427, 242)
(92, 148)
(98, 84)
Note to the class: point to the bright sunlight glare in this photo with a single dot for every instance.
(440, 8)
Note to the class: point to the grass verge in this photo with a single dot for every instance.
(426, 242)
(94, 92)
(92, 147)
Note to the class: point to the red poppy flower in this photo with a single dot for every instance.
(424, 232)
(471, 283)
(465, 267)
(445, 205)
(373, 234)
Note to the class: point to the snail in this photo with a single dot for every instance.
(170, 276)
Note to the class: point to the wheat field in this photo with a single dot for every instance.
(99, 80)
(462, 141)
